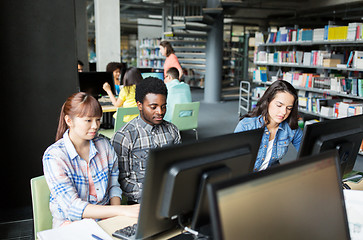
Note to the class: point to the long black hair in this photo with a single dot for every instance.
(131, 77)
(262, 105)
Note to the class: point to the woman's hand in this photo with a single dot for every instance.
(106, 87)
(131, 210)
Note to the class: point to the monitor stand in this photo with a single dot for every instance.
(201, 219)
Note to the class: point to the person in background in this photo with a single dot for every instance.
(178, 92)
(126, 97)
(133, 142)
(81, 169)
(277, 113)
(117, 69)
(171, 60)
(80, 66)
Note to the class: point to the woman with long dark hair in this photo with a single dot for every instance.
(126, 98)
(81, 169)
(277, 112)
(118, 71)
(171, 59)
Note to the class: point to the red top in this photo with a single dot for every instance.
(171, 61)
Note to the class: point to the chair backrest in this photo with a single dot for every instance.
(121, 112)
(40, 201)
(185, 121)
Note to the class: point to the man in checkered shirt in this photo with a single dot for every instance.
(133, 142)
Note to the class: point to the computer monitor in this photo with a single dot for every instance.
(300, 200)
(92, 83)
(344, 134)
(159, 75)
(184, 165)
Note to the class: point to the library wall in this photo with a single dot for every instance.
(145, 31)
(38, 72)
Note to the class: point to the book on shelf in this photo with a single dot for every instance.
(352, 31)
(350, 59)
(360, 87)
(258, 92)
(337, 33)
(292, 35)
(327, 111)
(318, 34)
(345, 109)
(260, 74)
(305, 34)
(326, 31)
(357, 59)
(307, 59)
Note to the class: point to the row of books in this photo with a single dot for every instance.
(328, 106)
(150, 53)
(313, 58)
(150, 43)
(352, 86)
(152, 63)
(351, 32)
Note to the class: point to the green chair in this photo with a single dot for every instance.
(119, 122)
(186, 122)
(40, 201)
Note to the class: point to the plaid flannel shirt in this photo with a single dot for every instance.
(132, 144)
(67, 177)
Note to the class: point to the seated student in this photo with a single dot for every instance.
(80, 66)
(82, 170)
(117, 69)
(133, 142)
(277, 112)
(178, 92)
(126, 97)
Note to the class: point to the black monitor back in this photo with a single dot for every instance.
(205, 154)
(92, 82)
(344, 134)
(301, 200)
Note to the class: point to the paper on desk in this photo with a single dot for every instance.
(354, 206)
(75, 231)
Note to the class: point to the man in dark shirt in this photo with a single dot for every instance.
(133, 142)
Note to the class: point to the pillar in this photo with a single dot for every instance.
(108, 34)
(214, 61)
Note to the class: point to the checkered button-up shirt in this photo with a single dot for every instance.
(68, 179)
(132, 144)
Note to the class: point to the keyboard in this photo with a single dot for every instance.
(126, 233)
(105, 103)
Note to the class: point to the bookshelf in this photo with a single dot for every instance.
(333, 58)
(148, 54)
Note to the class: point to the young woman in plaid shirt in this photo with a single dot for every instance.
(81, 169)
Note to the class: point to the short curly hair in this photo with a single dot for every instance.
(150, 85)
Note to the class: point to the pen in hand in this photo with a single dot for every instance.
(96, 237)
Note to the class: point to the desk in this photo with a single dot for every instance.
(355, 186)
(109, 108)
(106, 104)
(110, 225)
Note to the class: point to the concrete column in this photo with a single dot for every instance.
(164, 19)
(214, 61)
(108, 34)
